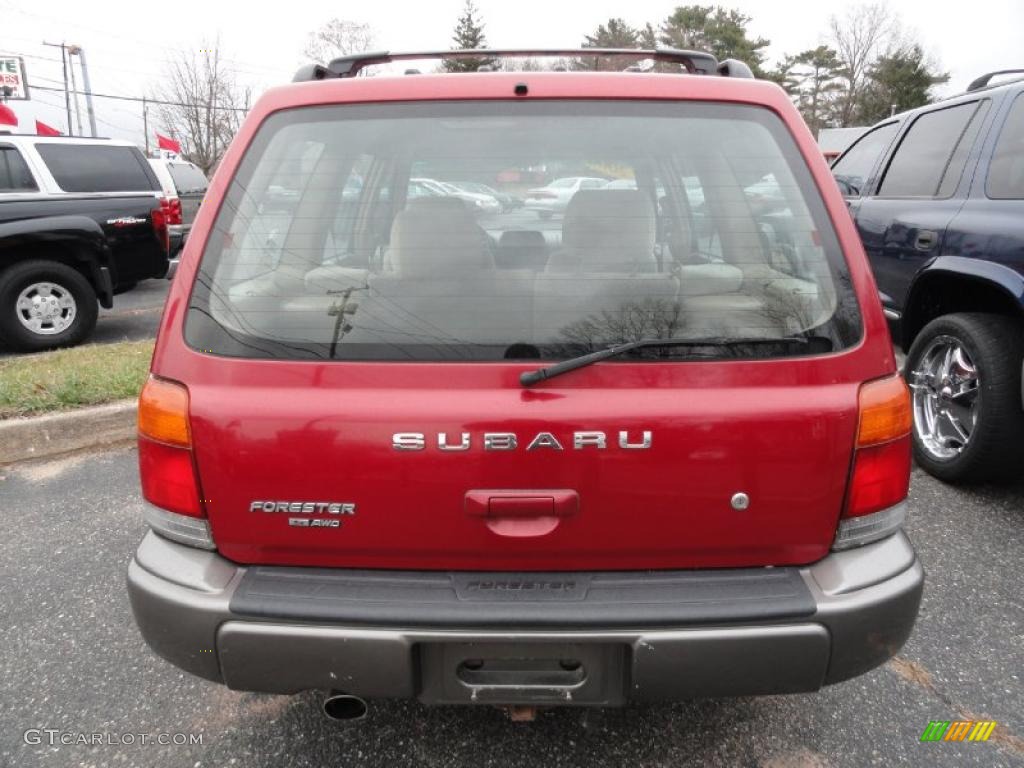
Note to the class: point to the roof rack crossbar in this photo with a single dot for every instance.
(980, 82)
(695, 62)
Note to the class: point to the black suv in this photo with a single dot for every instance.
(938, 197)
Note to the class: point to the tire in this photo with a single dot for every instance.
(71, 314)
(988, 411)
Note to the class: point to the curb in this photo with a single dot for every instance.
(54, 434)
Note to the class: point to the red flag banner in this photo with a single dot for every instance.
(43, 129)
(7, 116)
(167, 143)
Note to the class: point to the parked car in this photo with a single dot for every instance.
(80, 221)
(476, 202)
(379, 463)
(938, 197)
(621, 184)
(555, 196)
(184, 185)
(507, 202)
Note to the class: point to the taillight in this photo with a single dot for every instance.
(172, 209)
(880, 477)
(166, 465)
(159, 216)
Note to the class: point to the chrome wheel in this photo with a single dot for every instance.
(946, 394)
(46, 308)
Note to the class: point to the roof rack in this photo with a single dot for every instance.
(981, 82)
(695, 62)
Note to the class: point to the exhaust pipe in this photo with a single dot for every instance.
(344, 707)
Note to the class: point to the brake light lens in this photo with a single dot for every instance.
(166, 465)
(168, 478)
(159, 217)
(880, 478)
(172, 210)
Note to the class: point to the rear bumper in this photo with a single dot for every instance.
(283, 630)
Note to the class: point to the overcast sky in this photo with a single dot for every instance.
(128, 44)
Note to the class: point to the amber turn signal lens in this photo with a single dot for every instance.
(163, 412)
(885, 412)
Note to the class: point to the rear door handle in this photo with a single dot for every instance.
(926, 240)
(519, 504)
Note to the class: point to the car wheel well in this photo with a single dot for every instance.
(59, 252)
(942, 294)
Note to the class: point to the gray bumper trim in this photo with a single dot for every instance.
(866, 601)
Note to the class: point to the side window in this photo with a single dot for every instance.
(268, 209)
(1006, 171)
(14, 173)
(97, 168)
(853, 168)
(931, 156)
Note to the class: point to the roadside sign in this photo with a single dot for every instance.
(12, 78)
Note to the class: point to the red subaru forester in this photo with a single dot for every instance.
(407, 437)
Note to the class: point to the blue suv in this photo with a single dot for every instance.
(937, 194)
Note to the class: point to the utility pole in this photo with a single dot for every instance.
(67, 95)
(74, 92)
(145, 123)
(77, 49)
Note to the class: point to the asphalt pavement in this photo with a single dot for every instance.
(134, 316)
(72, 661)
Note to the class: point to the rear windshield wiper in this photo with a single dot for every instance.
(532, 377)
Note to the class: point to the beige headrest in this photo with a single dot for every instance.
(609, 229)
(437, 237)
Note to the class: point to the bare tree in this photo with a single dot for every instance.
(339, 37)
(859, 38)
(205, 107)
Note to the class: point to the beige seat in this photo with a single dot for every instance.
(438, 235)
(602, 286)
(443, 289)
(607, 230)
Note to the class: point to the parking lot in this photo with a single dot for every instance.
(72, 660)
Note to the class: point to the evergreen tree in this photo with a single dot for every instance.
(616, 33)
(818, 76)
(899, 80)
(715, 29)
(469, 33)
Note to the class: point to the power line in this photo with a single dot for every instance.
(141, 99)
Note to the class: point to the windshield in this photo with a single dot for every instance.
(345, 234)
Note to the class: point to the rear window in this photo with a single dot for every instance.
(98, 168)
(931, 157)
(187, 178)
(343, 235)
(1006, 171)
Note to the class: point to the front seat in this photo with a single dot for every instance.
(603, 287)
(438, 234)
(443, 292)
(607, 230)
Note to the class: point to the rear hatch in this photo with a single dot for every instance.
(356, 398)
(265, 452)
